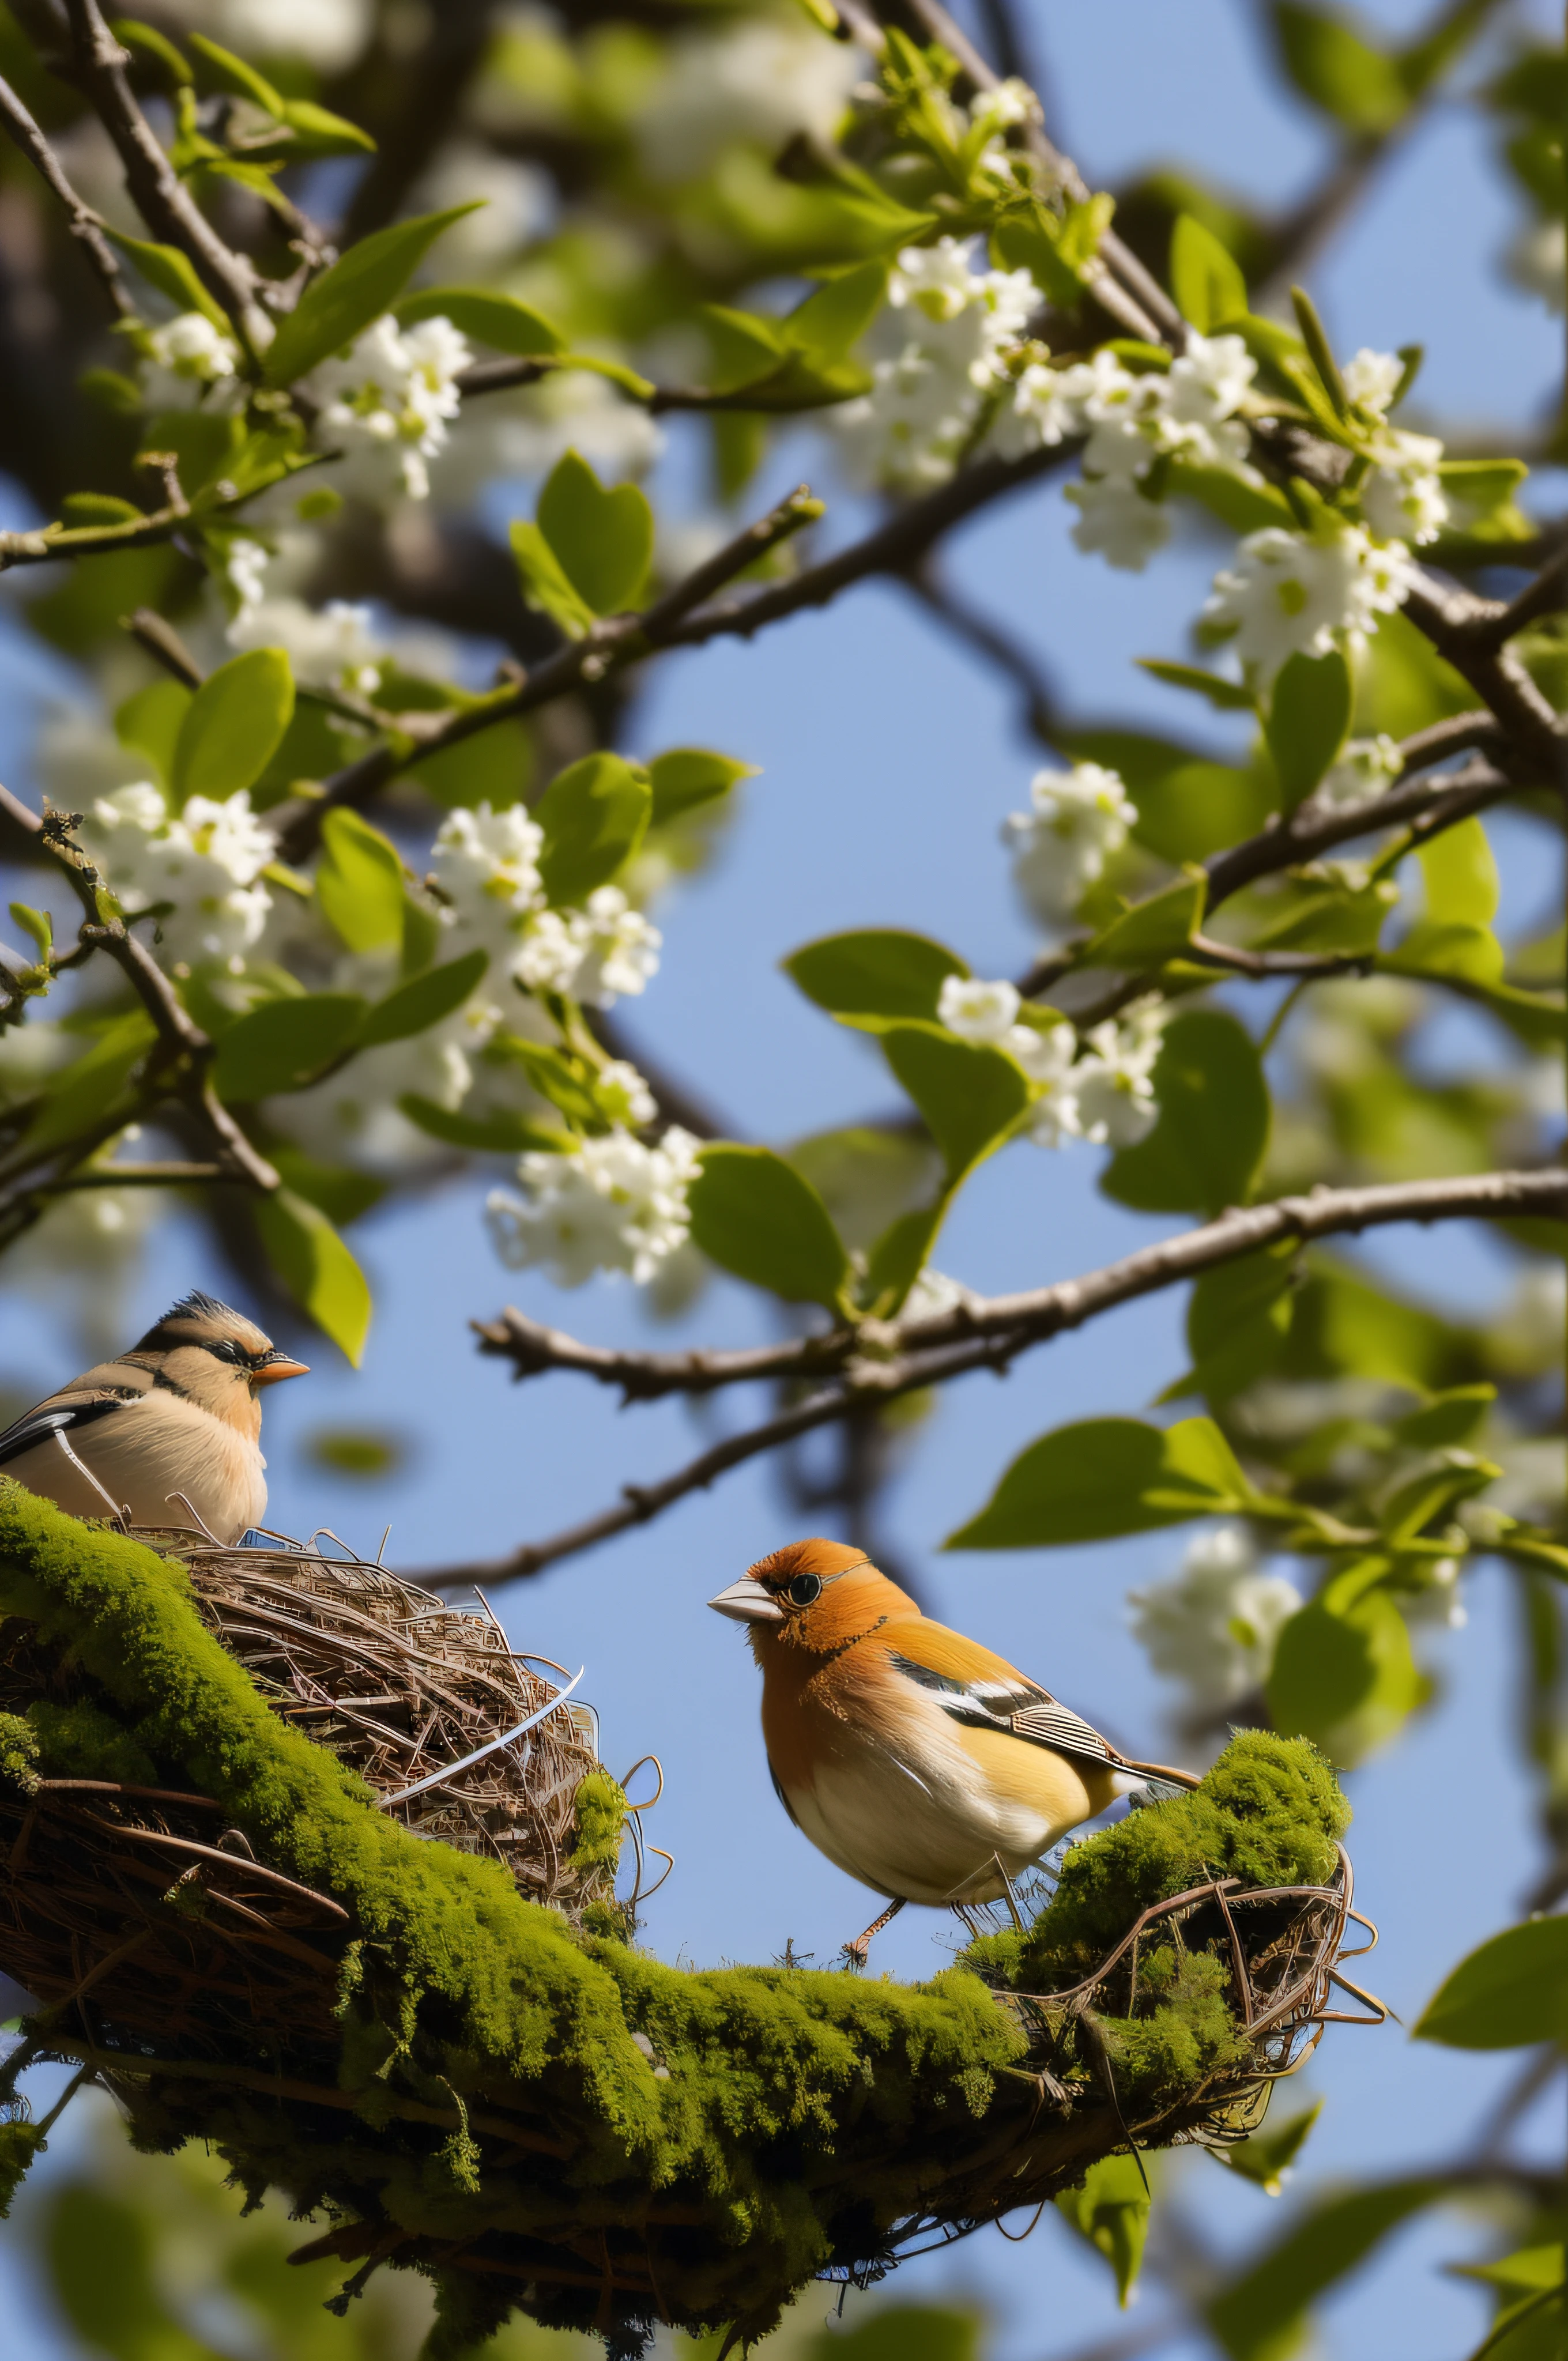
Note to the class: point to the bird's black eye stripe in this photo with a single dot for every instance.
(804, 1588)
(225, 1349)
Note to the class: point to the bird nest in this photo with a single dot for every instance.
(227, 1936)
(459, 1734)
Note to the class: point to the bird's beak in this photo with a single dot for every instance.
(747, 1602)
(280, 1366)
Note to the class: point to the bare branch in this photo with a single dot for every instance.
(1546, 595)
(1463, 630)
(84, 224)
(914, 1353)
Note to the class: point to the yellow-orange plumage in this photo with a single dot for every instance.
(917, 1760)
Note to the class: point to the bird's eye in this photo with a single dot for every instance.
(804, 1588)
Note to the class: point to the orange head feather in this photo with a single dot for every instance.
(816, 1597)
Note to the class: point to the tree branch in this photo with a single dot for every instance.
(985, 1334)
(162, 197)
(672, 622)
(83, 222)
(1463, 629)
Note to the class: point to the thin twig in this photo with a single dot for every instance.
(84, 224)
(1547, 594)
(976, 1335)
(165, 203)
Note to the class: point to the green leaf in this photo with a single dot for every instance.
(149, 723)
(900, 2332)
(36, 923)
(284, 1044)
(1243, 507)
(1111, 2210)
(154, 48)
(497, 1135)
(1457, 954)
(755, 1215)
(1343, 1674)
(1461, 876)
(318, 132)
(745, 349)
(88, 1089)
(101, 2262)
(898, 1258)
(495, 766)
(1205, 279)
(487, 317)
(1513, 1989)
(1257, 2317)
(342, 1196)
(970, 1096)
(316, 1268)
(604, 540)
(1225, 695)
(1153, 932)
(838, 313)
(593, 815)
(688, 777)
(1308, 721)
(1449, 1417)
(546, 585)
(1204, 1151)
(174, 275)
(1342, 74)
(878, 972)
(1103, 1476)
(415, 1006)
(1056, 249)
(360, 883)
(368, 281)
(1238, 1317)
(220, 70)
(233, 725)
(1267, 2157)
(867, 1177)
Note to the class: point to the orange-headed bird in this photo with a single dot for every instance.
(915, 1758)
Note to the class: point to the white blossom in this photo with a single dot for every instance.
(486, 864)
(1301, 594)
(1403, 496)
(1537, 260)
(761, 80)
(518, 202)
(205, 860)
(933, 1294)
(1047, 1056)
(1213, 1625)
(977, 1011)
(1077, 820)
(1112, 1082)
(596, 955)
(624, 1095)
(244, 568)
(935, 354)
(1367, 768)
(335, 646)
(610, 1204)
(1116, 521)
(392, 393)
(1372, 380)
(188, 361)
(327, 34)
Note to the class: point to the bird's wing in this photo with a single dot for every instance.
(985, 1691)
(65, 1415)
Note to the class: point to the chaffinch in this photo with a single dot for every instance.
(913, 1758)
(178, 1413)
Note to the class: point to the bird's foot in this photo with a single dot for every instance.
(857, 1953)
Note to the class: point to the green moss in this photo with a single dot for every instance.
(762, 2123)
(601, 1817)
(18, 1753)
(1269, 1812)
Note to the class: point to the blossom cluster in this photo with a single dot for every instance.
(201, 868)
(1131, 421)
(389, 396)
(936, 354)
(613, 1204)
(1076, 821)
(1303, 593)
(1105, 1096)
(486, 866)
